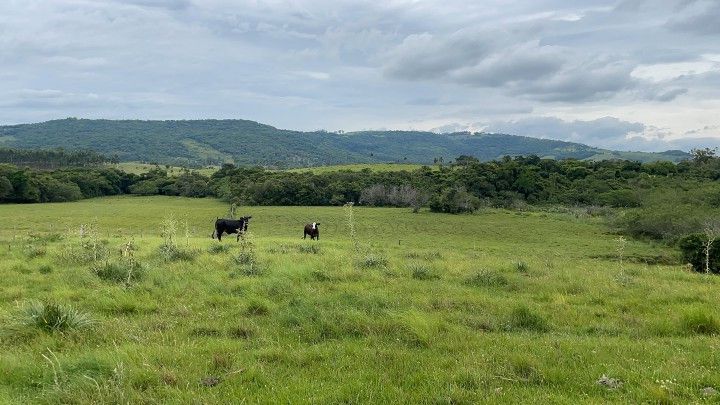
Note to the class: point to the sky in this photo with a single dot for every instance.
(620, 74)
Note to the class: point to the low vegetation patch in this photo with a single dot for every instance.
(120, 272)
(218, 248)
(523, 318)
(53, 317)
(309, 248)
(422, 271)
(699, 322)
(487, 278)
(373, 260)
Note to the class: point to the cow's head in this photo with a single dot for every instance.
(246, 221)
(315, 225)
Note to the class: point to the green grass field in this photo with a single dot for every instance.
(496, 307)
(140, 168)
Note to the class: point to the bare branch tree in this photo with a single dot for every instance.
(712, 232)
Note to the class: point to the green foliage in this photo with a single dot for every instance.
(373, 260)
(309, 248)
(126, 271)
(521, 267)
(454, 201)
(217, 248)
(523, 318)
(487, 278)
(205, 142)
(422, 271)
(693, 252)
(699, 322)
(53, 317)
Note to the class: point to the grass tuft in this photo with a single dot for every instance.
(308, 248)
(421, 271)
(523, 318)
(53, 317)
(218, 248)
(373, 260)
(487, 278)
(45, 269)
(521, 267)
(699, 323)
(123, 272)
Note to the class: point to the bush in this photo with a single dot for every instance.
(668, 223)
(693, 252)
(624, 198)
(173, 253)
(51, 317)
(454, 201)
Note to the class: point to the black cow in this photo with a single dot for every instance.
(238, 226)
(313, 230)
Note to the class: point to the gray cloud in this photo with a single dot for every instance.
(353, 65)
(423, 56)
(698, 17)
(605, 132)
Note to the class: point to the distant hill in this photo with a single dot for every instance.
(212, 142)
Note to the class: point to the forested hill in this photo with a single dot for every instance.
(243, 142)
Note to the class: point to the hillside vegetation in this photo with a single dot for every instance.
(214, 142)
(128, 300)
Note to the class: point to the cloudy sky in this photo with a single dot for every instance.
(632, 74)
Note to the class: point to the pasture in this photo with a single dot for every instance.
(376, 167)
(499, 306)
(140, 168)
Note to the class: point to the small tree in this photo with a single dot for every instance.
(712, 232)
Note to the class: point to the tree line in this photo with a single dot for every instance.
(662, 200)
(49, 159)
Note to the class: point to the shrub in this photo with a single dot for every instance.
(454, 201)
(52, 317)
(663, 223)
(393, 196)
(487, 278)
(624, 198)
(522, 318)
(700, 323)
(173, 253)
(244, 258)
(693, 252)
